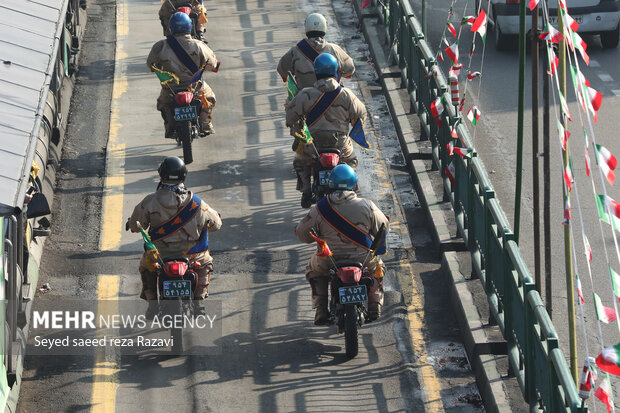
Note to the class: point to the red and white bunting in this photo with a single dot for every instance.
(453, 52)
(553, 65)
(567, 215)
(450, 172)
(581, 46)
(587, 162)
(563, 134)
(603, 393)
(568, 178)
(480, 25)
(436, 108)
(564, 107)
(588, 249)
(473, 75)
(607, 162)
(452, 29)
(579, 289)
(551, 34)
(450, 147)
(569, 22)
(464, 152)
(532, 4)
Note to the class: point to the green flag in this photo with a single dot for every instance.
(292, 88)
(151, 254)
(165, 77)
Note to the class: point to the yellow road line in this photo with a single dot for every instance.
(107, 362)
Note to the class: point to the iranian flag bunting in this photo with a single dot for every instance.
(473, 75)
(603, 393)
(468, 20)
(587, 162)
(450, 147)
(480, 25)
(579, 290)
(436, 108)
(605, 314)
(455, 70)
(533, 4)
(562, 4)
(604, 204)
(554, 62)
(564, 107)
(568, 176)
(595, 98)
(588, 249)
(550, 34)
(441, 56)
(473, 114)
(567, 215)
(453, 52)
(563, 135)
(569, 22)
(581, 46)
(453, 133)
(452, 29)
(464, 152)
(450, 172)
(607, 162)
(615, 282)
(609, 360)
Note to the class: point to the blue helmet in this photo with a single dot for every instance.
(326, 65)
(180, 23)
(342, 177)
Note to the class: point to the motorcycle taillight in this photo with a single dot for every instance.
(186, 10)
(350, 275)
(184, 98)
(176, 268)
(329, 160)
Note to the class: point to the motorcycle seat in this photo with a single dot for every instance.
(349, 264)
(184, 259)
(328, 150)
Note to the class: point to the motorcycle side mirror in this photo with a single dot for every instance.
(38, 206)
(45, 223)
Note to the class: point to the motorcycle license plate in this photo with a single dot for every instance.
(353, 294)
(185, 113)
(324, 177)
(180, 288)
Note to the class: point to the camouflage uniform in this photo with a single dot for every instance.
(169, 7)
(158, 208)
(330, 130)
(367, 217)
(163, 57)
(303, 69)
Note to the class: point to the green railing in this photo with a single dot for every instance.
(535, 358)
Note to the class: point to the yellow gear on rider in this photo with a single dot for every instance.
(163, 57)
(368, 218)
(156, 209)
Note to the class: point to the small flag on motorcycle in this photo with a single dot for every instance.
(324, 250)
(197, 76)
(358, 135)
(150, 250)
(165, 77)
(293, 89)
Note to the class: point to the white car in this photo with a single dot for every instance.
(594, 17)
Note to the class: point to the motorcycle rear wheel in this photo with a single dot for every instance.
(184, 130)
(350, 331)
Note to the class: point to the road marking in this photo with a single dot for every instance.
(594, 63)
(616, 92)
(605, 77)
(107, 361)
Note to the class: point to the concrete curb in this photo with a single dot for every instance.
(489, 381)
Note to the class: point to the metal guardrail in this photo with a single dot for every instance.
(533, 352)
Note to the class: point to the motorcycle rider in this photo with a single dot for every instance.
(366, 218)
(186, 234)
(299, 60)
(169, 7)
(185, 57)
(329, 110)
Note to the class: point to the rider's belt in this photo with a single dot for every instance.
(323, 103)
(307, 50)
(342, 225)
(182, 54)
(177, 221)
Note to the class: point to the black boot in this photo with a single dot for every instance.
(306, 200)
(152, 310)
(198, 308)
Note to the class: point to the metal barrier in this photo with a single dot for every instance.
(535, 359)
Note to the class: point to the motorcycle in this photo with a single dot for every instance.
(187, 9)
(187, 108)
(349, 283)
(176, 280)
(323, 162)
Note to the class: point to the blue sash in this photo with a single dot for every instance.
(307, 50)
(177, 221)
(321, 106)
(202, 245)
(182, 54)
(345, 228)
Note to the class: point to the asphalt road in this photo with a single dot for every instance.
(270, 356)
(495, 140)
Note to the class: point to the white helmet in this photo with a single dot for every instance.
(315, 22)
